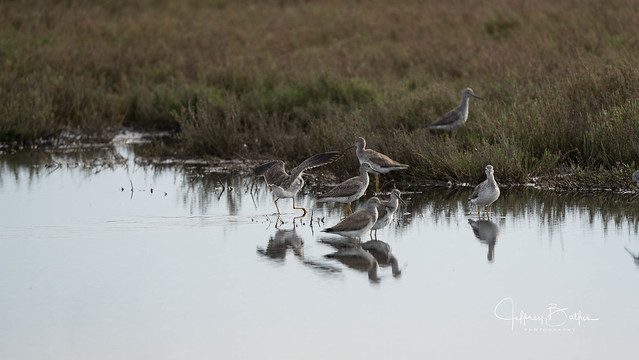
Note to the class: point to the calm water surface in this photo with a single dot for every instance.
(189, 264)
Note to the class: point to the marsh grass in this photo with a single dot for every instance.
(287, 79)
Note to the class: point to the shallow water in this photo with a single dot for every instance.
(104, 258)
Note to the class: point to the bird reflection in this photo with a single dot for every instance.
(365, 257)
(487, 232)
(633, 254)
(383, 253)
(357, 258)
(283, 240)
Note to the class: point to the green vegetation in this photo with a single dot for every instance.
(286, 79)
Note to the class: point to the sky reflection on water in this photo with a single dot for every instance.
(190, 264)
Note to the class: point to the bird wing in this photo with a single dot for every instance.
(476, 190)
(316, 161)
(381, 159)
(273, 172)
(448, 118)
(356, 221)
(346, 188)
(381, 211)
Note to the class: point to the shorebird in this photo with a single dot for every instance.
(386, 214)
(359, 222)
(349, 190)
(485, 193)
(379, 162)
(455, 118)
(284, 185)
(487, 232)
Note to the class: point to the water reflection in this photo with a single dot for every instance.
(383, 253)
(103, 256)
(205, 186)
(487, 233)
(367, 257)
(30, 165)
(283, 240)
(359, 259)
(634, 255)
(549, 208)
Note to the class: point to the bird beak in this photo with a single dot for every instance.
(477, 97)
(402, 201)
(348, 148)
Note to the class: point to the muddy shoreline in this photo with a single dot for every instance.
(561, 179)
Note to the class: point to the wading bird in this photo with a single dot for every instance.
(359, 222)
(284, 185)
(485, 193)
(349, 190)
(386, 214)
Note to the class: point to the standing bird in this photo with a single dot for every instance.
(284, 185)
(454, 119)
(349, 190)
(485, 193)
(379, 162)
(359, 222)
(386, 214)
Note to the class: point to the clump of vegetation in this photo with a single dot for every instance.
(279, 79)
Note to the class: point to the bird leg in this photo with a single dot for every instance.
(277, 207)
(299, 208)
(376, 184)
(347, 210)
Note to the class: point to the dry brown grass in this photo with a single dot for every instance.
(291, 78)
